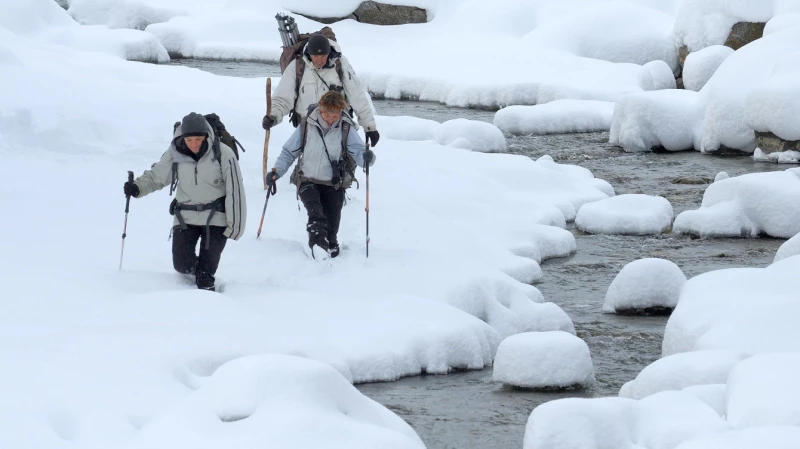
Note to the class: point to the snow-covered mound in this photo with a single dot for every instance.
(560, 116)
(761, 393)
(657, 75)
(407, 128)
(679, 371)
(470, 135)
(543, 360)
(767, 437)
(701, 65)
(626, 214)
(789, 248)
(774, 104)
(645, 286)
(745, 206)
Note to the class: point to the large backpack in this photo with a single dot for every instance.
(221, 133)
(295, 53)
(349, 163)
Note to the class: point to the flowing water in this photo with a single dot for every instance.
(466, 409)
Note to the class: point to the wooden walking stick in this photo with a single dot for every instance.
(266, 136)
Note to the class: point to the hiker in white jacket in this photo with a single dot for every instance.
(325, 69)
(209, 203)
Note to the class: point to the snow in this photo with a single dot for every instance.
(720, 176)
(543, 360)
(683, 370)
(780, 157)
(560, 116)
(407, 128)
(744, 309)
(644, 284)
(702, 23)
(712, 394)
(667, 118)
(657, 75)
(661, 421)
(635, 214)
(789, 248)
(746, 206)
(700, 65)
(768, 437)
(772, 105)
(470, 135)
(761, 393)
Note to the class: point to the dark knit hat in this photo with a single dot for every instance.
(194, 124)
(318, 45)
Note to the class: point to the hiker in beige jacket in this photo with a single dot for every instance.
(209, 202)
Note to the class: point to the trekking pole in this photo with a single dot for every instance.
(125, 227)
(366, 169)
(270, 191)
(266, 136)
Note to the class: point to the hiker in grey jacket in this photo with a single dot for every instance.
(321, 175)
(209, 202)
(321, 57)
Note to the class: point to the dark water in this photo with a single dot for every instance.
(467, 410)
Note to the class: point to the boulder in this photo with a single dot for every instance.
(743, 33)
(376, 13)
(770, 143)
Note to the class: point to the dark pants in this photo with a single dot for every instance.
(324, 207)
(184, 258)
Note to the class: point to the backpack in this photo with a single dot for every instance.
(349, 162)
(295, 53)
(221, 133)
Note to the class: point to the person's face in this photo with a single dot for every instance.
(319, 60)
(194, 143)
(330, 116)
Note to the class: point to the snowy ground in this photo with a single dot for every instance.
(103, 358)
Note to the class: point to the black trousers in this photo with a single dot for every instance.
(324, 207)
(184, 258)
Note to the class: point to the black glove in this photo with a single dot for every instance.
(271, 178)
(268, 122)
(372, 137)
(131, 189)
(369, 156)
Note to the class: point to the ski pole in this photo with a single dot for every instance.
(125, 227)
(270, 191)
(366, 169)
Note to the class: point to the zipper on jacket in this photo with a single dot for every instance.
(195, 173)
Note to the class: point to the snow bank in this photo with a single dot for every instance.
(774, 104)
(560, 116)
(679, 371)
(743, 309)
(134, 14)
(645, 284)
(669, 119)
(661, 421)
(472, 135)
(700, 66)
(789, 248)
(407, 128)
(45, 21)
(273, 398)
(626, 214)
(769, 437)
(745, 206)
(543, 360)
(761, 393)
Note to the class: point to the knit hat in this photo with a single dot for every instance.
(318, 45)
(194, 124)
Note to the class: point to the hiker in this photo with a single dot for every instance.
(326, 69)
(209, 202)
(323, 142)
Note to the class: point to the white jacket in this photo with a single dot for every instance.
(315, 83)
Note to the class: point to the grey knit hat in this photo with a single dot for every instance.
(194, 124)
(318, 45)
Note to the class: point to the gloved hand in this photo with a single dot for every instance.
(131, 189)
(372, 137)
(271, 178)
(369, 156)
(268, 122)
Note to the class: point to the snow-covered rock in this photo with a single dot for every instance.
(560, 116)
(407, 128)
(721, 175)
(745, 206)
(773, 105)
(679, 371)
(634, 214)
(667, 118)
(701, 65)
(712, 394)
(762, 391)
(789, 248)
(644, 286)
(544, 360)
(656, 75)
(767, 437)
(470, 135)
